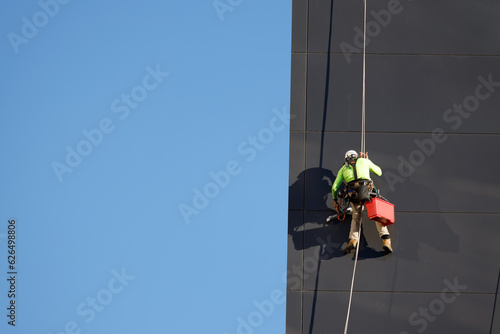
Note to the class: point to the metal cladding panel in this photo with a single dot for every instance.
(295, 250)
(294, 312)
(299, 28)
(298, 92)
(296, 173)
(424, 93)
(401, 313)
(459, 27)
(432, 97)
(495, 321)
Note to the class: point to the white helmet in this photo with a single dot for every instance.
(350, 156)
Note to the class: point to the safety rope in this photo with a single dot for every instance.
(364, 151)
(343, 205)
(353, 274)
(363, 103)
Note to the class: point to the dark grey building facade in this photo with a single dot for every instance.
(433, 126)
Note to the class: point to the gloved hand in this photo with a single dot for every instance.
(363, 155)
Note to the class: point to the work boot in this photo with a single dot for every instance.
(386, 244)
(350, 246)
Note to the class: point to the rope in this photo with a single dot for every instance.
(363, 147)
(343, 205)
(353, 275)
(363, 109)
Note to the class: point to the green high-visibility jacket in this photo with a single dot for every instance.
(363, 169)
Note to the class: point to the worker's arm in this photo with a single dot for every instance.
(375, 169)
(337, 183)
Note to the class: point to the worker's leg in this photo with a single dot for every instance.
(383, 232)
(357, 212)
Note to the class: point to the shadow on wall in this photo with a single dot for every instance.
(312, 190)
(319, 181)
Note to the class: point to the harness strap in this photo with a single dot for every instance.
(354, 170)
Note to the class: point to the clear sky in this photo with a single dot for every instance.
(144, 155)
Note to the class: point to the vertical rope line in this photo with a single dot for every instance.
(353, 275)
(362, 150)
(363, 103)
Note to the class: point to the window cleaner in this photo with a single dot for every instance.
(359, 190)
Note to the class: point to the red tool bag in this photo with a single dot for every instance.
(380, 211)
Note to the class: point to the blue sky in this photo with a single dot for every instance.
(145, 161)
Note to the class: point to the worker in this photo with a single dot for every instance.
(356, 172)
